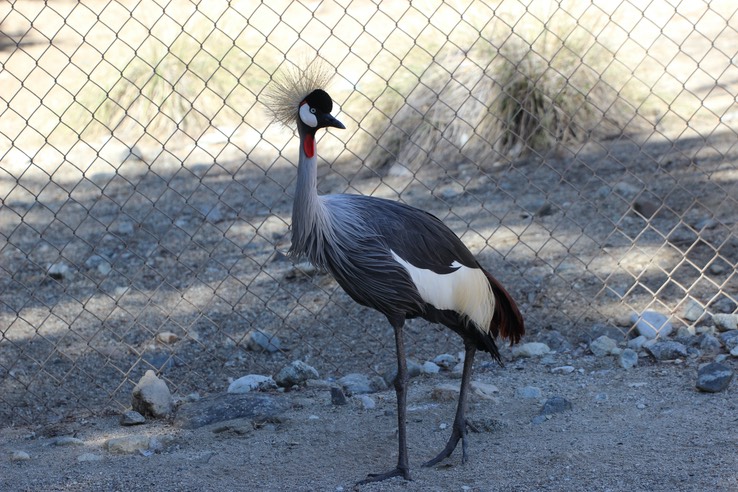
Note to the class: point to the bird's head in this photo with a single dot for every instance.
(315, 111)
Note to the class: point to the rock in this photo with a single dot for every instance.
(445, 392)
(252, 382)
(151, 396)
(555, 340)
(628, 358)
(445, 361)
(668, 350)
(366, 401)
(483, 390)
(729, 339)
(357, 384)
(296, 373)
(68, 441)
(132, 417)
(19, 456)
(125, 228)
(100, 263)
(651, 324)
(529, 392)
(725, 322)
(413, 370)
(261, 341)
(166, 337)
(734, 352)
(59, 271)
(430, 368)
(555, 404)
(127, 444)
(714, 377)
(709, 343)
(563, 370)
(89, 457)
(530, 349)
(602, 346)
(693, 310)
(637, 342)
(337, 396)
(229, 406)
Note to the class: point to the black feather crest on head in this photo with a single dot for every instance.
(292, 85)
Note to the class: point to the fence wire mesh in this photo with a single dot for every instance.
(585, 151)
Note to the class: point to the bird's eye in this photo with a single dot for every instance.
(312, 110)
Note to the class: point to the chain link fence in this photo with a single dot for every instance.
(586, 152)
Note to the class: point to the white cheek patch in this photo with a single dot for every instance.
(307, 117)
(466, 291)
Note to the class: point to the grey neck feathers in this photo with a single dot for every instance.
(311, 228)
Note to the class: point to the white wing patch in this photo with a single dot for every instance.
(466, 291)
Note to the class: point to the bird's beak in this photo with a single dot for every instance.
(329, 120)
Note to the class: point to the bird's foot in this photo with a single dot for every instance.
(458, 433)
(403, 472)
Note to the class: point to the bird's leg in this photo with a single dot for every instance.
(400, 382)
(458, 430)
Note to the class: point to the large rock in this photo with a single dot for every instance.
(714, 377)
(357, 384)
(725, 322)
(531, 349)
(229, 406)
(252, 382)
(651, 324)
(151, 396)
(602, 346)
(262, 341)
(668, 350)
(296, 373)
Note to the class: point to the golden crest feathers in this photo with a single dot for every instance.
(290, 86)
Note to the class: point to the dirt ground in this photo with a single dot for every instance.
(189, 241)
(647, 428)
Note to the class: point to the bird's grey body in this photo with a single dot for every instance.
(401, 261)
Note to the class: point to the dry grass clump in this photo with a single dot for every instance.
(496, 104)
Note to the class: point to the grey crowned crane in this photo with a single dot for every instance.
(399, 260)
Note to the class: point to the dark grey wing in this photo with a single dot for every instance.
(418, 237)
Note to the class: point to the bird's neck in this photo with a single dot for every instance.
(309, 218)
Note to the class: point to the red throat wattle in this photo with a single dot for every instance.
(308, 145)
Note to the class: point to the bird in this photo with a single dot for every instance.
(389, 256)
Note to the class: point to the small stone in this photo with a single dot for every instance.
(445, 361)
(555, 404)
(132, 417)
(709, 343)
(261, 341)
(563, 369)
(602, 346)
(668, 350)
(19, 456)
(430, 368)
(725, 322)
(637, 342)
(445, 392)
(529, 392)
(337, 396)
(530, 349)
(59, 271)
(693, 310)
(296, 373)
(734, 352)
(484, 390)
(357, 384)
(628, 358)
(367, 402)
(729, 339)
(68, 441)
(714, 377)
(413, 370)
(166, 337)
(252, 382)
(100, 263)
(151, 396)
(127, 444)
(651, 324)
(89, 457)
